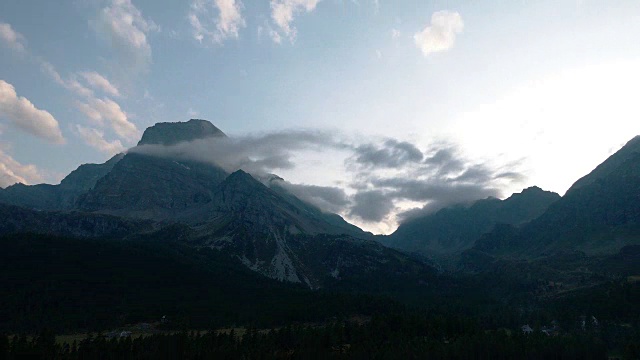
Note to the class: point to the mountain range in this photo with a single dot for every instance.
(193, 214)
(268, 229)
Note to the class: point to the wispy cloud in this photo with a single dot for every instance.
(216, 20)
(101, 111)
(21, 113)
(283, 13)
(99, 82)
(12, 38)
(95, 138)
(107, 112)
(125, 29)
(440, 34)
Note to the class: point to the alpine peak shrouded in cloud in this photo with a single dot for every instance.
(382, 178)
(462, 101)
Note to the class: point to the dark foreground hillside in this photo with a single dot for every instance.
(67, 284)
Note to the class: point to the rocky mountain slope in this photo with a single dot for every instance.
(455, 229)
(267, 228)
(62, 196)
(600, 214)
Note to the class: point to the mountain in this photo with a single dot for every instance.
(17, 220)
(264, 226)
(599, 215)
(171, 133)
(456, 228)
(62, 196)
(147, 187)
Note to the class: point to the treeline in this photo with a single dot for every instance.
(398, 336)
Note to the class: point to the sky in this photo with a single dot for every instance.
(376, 109)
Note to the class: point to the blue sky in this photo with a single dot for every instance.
(543, 88)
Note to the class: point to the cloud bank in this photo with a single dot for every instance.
(440, 34)
(385, 175)
(21, 113)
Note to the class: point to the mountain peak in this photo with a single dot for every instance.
(171, 133)
(629, 150)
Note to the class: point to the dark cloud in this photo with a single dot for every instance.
(327, 198)
(383, 175)
(372, 205)
(392, 153)
(445, 160)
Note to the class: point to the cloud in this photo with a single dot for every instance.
(392, 153)
(24, 115)
(12, 38)
(261, 154)
(95, 138)
(399, 172)
(441, 34)
(283, 13)
(384, 175)
(12, 172)
(99, 82)
(328, 198)
(91, 78)
(102, 111)
(371, 205)
(125, 29)
(395, 33)
(228, 19)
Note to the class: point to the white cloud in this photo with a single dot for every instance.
(440, 35)
(12, 172)
(395, 33)
(71, 84)
(24, 115)
(100, 82)
(102, 111)
(12, 38)
(227, 21)
(283, 12)
(95, 138)
(124, 27)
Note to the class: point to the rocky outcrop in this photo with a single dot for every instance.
(171, 133)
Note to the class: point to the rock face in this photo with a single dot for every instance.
(173, 133)
(455, 229)
(147, 187)
(599, 215)
(259, 226)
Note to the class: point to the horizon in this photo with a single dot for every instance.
(466, 100)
